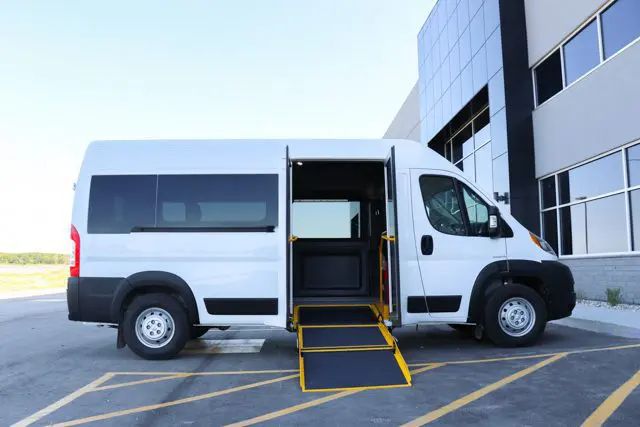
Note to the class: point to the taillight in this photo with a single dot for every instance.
(74, 256)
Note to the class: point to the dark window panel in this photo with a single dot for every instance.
(592, 179)
(573, 230)
(217, 200)
(548, 77)
(607, 225)
(548, 188)
(635, 218)
(633, 165)
(118, 203)
(620, 25)
(442, 205)
(581, 53)
(550, 228)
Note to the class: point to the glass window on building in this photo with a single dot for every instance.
(550, 228)
(633, 165)
(548, 77)
(581, 53)
(635, 218)
(548, 190)
(620, 25)
(594, 214)
(580, 183)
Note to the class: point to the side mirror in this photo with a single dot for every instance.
(494, 222)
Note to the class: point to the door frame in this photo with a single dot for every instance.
(393, 253)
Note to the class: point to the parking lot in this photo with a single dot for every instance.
(55, 372)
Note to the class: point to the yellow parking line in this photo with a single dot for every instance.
(529, 356)
(64, 401)
(130, 383)
(315, 402)
(613, 402)
(465, 400)
(177, 402)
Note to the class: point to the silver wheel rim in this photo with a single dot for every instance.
(155, 327)
(516, 317)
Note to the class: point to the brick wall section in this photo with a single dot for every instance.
(594, 275)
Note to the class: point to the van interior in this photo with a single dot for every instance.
(338, 217)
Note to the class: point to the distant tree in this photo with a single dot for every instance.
(32, 258)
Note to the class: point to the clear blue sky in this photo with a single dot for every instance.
(75, 71)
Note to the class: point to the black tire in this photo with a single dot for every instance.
(198, 331)
(181, 328)
(492, 325)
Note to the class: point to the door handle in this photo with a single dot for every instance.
(426, 245)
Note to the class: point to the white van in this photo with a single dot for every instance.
(172, 238)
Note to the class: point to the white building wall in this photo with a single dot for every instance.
(406, 124)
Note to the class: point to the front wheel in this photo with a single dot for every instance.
(156, 326)
(515, 315)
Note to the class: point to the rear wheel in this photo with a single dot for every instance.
(156, 326)
(515, 315)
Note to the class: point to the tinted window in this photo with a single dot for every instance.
(201, 201)
(581, 53)
(592, 179)
(573, 230)
(598, 226)
(326, 219)
(477, 212)
(117, 203)
(548, 77)
(606, 225)
(548, 188)
(550, 228)
(633, 165)
(635, 218)
(620, 25)
(441, 203)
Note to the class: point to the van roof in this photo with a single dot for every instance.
(167, 156)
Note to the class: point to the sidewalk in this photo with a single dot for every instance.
(596, 316)
(32, 293)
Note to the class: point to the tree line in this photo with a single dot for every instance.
(33, 258)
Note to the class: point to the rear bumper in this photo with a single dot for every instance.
(89, 299)
(561, 296)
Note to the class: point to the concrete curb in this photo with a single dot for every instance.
(31, 293)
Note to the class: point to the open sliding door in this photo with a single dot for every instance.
(290, 239)
(393, 263)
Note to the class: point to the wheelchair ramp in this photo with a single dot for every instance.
(347, 347)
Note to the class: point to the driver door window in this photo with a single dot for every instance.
(477, 212)
(453, 208)
(442, 205)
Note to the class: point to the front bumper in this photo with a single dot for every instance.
(559, 286)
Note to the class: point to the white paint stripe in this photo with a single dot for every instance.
(225, 346)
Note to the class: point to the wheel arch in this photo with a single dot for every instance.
(154, 281)
(524, 272)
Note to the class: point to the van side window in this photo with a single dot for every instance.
(117, 203)
(326, 219)
(477, 212)
(441, 202)
(217, 201)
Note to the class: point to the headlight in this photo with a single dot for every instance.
(542, 244)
